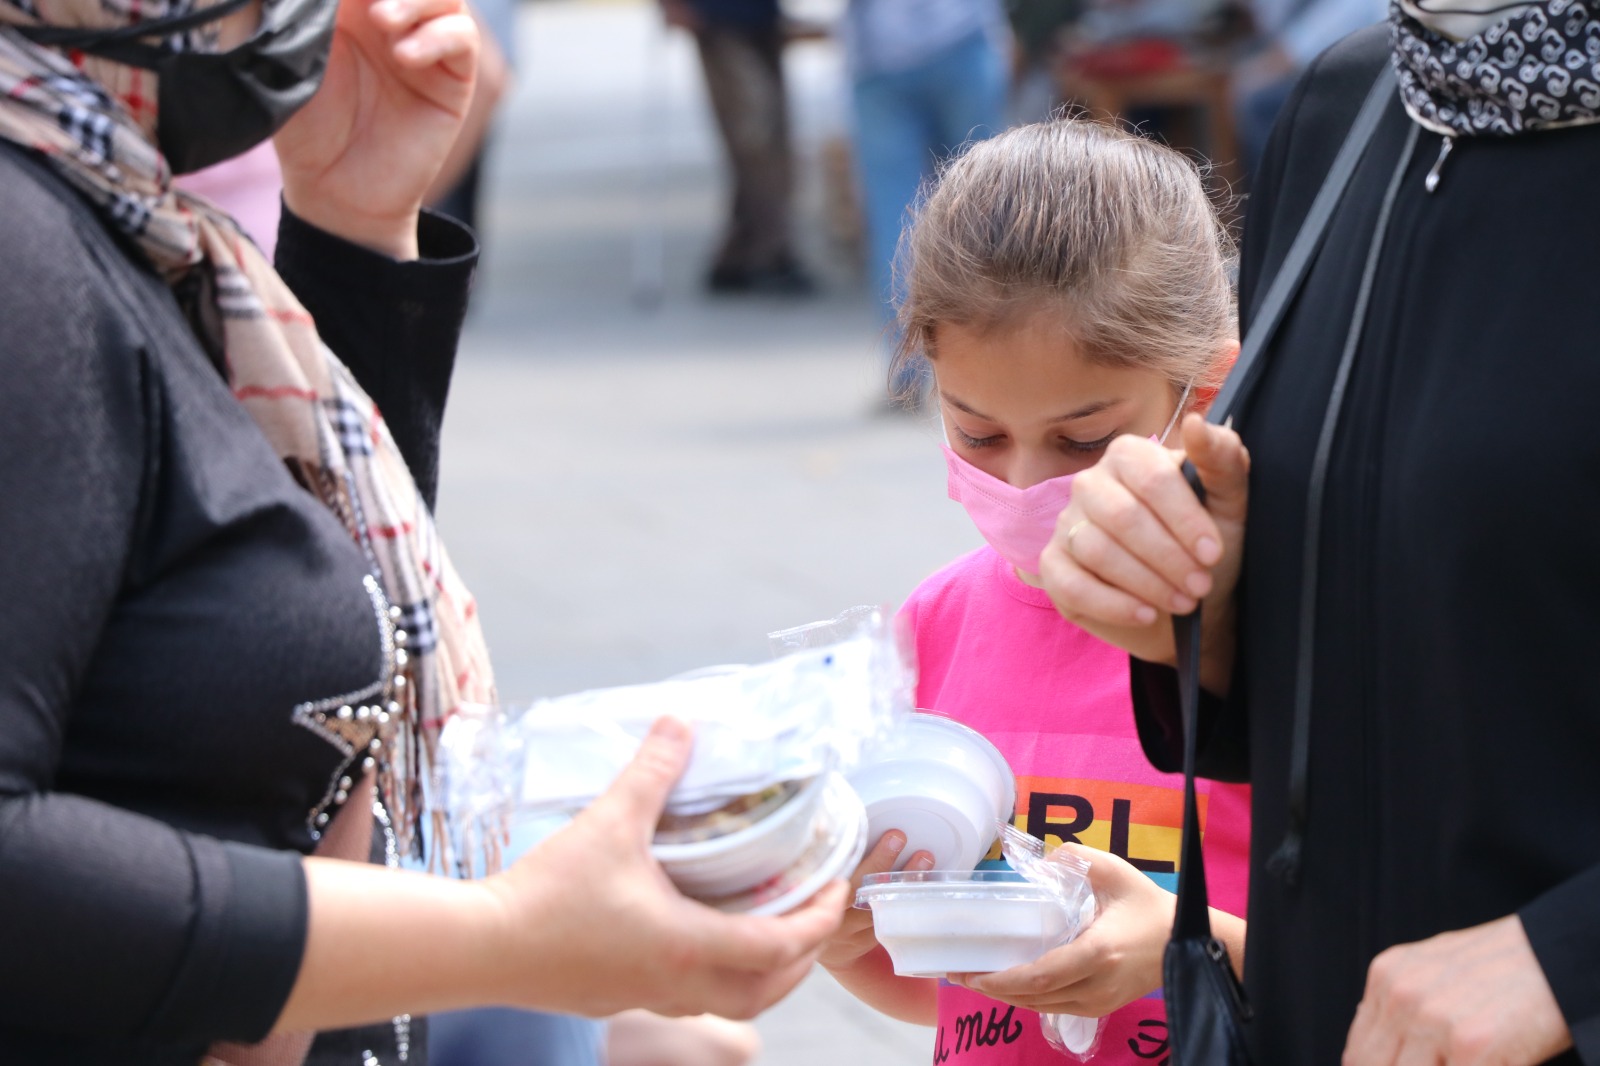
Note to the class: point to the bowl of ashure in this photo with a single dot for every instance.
(938, 922)
(756, 852)
(942, 784)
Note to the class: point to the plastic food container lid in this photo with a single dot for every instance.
(948, 885)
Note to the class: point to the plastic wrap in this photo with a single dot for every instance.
(1066, 877)
(838, 687)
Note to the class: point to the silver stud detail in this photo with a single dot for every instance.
(363, 713)
(400, 636)
(368, 764)
(399, 680)
(394, 611)
(375, 745)
(383, 717)
(345, 783)
(340, 796)
(394, 708)
(400, 657)
(322, 819)
(345, 712)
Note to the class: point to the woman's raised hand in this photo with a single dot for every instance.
(590, 924)
(359, 157)
(1136, 546)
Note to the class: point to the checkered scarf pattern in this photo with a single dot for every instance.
(95, 127)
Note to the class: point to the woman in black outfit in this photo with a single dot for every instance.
(229, 634)
(1436, 898)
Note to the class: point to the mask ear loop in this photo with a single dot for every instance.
(1177, 414)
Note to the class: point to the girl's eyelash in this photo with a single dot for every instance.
(975, 442)
(1088, 446)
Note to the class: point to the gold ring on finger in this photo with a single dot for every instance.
(1072, 531)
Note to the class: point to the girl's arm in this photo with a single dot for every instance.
(1117, 959)
(860, 964)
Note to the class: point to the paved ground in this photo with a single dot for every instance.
(636, 491)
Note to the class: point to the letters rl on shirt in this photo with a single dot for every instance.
(1062, 815)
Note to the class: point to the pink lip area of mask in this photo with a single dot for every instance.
(1017, 523)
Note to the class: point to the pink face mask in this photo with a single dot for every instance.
(1017, 523)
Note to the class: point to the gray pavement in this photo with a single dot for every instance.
(633, 491)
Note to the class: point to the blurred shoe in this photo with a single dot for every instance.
(783, 279)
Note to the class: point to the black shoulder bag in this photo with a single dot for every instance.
(1206, 1004)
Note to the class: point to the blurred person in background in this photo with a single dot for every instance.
(741, 53)
(1291, 33)
(1037, 27)
(455, 191)
(926, 77)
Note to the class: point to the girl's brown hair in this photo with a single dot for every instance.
(1110, 229)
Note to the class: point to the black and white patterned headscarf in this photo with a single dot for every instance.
(1536, 68)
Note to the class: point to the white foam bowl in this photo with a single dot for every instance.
(937, 922)
(736, 862)
(941, 784)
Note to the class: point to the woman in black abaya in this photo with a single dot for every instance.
(1436, 898)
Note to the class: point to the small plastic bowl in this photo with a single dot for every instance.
(839, 839)
(937, 922)
(729, 863)
(941, 784)
(725, 818)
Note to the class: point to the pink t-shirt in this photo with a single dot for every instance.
(993, 653)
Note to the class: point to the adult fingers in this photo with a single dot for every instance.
(1114, 526)
(763, 944)
(1085, 600)
(1223, 463)
(449, 40)
(400, 16)
(640, 792)
(1187, 540)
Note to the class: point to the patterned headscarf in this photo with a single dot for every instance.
(94, 122)
(1536, 67)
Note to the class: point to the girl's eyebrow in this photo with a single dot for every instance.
(1083, 412)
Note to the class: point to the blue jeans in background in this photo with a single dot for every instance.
(501, 1036)
(906, 121)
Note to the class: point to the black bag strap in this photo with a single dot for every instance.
(1247, 367)
(1193, 917)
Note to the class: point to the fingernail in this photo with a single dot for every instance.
(922, 862)
(1145, 615)
(1198, 582)
(669, 728)
(387, 10)
(1207, 550)
(895, 843)
(1181, 604)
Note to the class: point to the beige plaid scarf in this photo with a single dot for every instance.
(94, 124)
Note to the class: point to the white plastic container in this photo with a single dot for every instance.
(941, 784)
(937, 922)
(838, 840)
(728, 863)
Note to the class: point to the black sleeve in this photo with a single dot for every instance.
(113, 926)
(1222, 751)
(1563, 926)
(394, 324)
